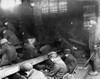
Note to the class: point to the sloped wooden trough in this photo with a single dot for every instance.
(9, 70)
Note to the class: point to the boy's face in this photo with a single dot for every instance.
(54, 55)
(32, 40)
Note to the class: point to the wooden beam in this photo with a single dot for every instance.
(9, 70)
(78, 42)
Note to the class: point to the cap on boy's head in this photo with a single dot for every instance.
(68, 50)
(26, 67)
(3, 41)
(51, 53)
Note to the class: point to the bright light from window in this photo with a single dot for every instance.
(9, 4)
(44, 5)
(63, 3)
(62, 6)
(54, 6)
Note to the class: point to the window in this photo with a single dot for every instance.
(62, 6)
(45, 7)
(53, 6)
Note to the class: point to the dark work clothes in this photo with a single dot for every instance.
(9, 54)
(92, 65)
(45, 49)
(71, 63)
(11, 37)
(92, 38)
(29, 52)
(92, 42)
(11, 27)
(66, 45)
(1, 32)
(17, 76)
(58, 70)
(26, 24)
(47, 64)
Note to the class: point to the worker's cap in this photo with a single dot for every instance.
(52, 53)
(67, 50)
(4, 40)
(26, 67)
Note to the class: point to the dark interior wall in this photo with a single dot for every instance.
(69, 24)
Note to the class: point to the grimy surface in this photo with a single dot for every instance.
(84, 73)
(93, 77)
(11, 69)
(80, 72)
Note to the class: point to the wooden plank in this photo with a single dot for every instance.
(78, 42)
(8, 70)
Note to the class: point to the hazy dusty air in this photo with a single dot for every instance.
(9, 4)
(50, 39)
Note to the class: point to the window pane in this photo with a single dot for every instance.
(53, 6)
(44, 5)
(62, 5)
